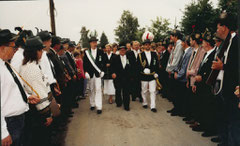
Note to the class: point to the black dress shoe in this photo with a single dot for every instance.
(133, 99)
(99, 112)
(187, 119)
(216, 139)
(171, 111)
(119, 105)
(92, 108)
(198, 129)
(70, 116)
(174, 114)
(145, 106)
(154, 110)
(208, 134)
(127, 109)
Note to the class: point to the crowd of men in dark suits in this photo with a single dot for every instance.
(198, 73)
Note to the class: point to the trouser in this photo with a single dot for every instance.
(135, 88)
(180, 99)
(95, 85)
(15, 126)
(122, 96)
(151, 86)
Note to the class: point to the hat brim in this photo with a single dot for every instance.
(93, 40)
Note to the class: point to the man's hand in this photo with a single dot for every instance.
(194, 89)
(198, 78)
(237, 92)
(187, 85)
(87, 75)
(114, 76)
(33, 99)
(217, 65)
(175, 75)
(107, 65)
(7, 141)
(49, 121)
(57, 91)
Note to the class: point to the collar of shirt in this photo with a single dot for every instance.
(208, 53)
(109, 55)
(186, 49)
(2, 62)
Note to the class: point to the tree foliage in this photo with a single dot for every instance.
(103, 40)
(159, 28)
(127, 28)
(84, 40)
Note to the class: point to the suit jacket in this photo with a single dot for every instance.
(204, 71)
(123, 74)
(67, 65)
(231, 79)
(175, 57)
(99, 61)
(193, 69)
(108, 70)
(153, 66)
(183, 66)
(133, 61)
(164, 60)
(59, 72)
(72, 62)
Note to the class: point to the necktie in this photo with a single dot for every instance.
(24, 96)
(190, 65)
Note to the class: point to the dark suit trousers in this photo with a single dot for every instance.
(135, 89)
(122, 95)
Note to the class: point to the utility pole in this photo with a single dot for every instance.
(52, 17)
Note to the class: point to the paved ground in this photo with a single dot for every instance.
(138, 127)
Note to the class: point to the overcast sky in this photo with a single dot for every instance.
(102, 15)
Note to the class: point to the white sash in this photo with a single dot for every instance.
(92, 62)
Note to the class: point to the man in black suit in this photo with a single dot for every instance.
(121, 69)
(148, 68)
(206, 114)
(93, 63)
(163, 74)
(135, 81)
(228, 67)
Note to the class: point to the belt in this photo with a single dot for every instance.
(50, 97)
(15, 117)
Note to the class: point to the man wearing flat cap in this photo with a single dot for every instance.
(148, 69)
(14, 100)
(93, 63)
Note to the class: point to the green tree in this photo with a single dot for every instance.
(140, 32)
(127, 28)
(159, 28)
(103, 40)
(84, 40)
(93, 34)
(200, 14)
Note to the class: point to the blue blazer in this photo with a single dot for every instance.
(182, 68)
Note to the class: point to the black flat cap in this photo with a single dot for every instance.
(72, 44)
(6, 36)
(93, 39)
(44, 35)
(34, 43)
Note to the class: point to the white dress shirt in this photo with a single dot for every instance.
(46, 68)
(148, 55)
(17, 59)
(135, 53)
(35, 77)
(109, 55)
(123, 60)
(94, 53)
(12, 103)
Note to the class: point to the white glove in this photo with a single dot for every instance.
(146, 71)
(87, 75)
(101, 74)
(155, 75)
